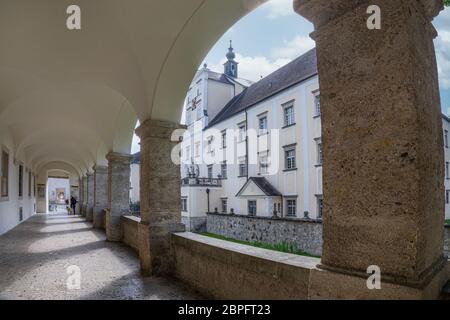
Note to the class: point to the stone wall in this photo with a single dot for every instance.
(225, 270)
(194, 224)
(130, 231)
(304, 233)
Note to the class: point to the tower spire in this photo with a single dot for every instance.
(231, 66)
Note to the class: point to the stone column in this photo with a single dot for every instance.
(80, 199)
(160, 197)
(118, 193)
(383, 150)
(100, 195)
(84, 203)
(90, 197)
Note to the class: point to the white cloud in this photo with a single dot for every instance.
(443, 58)
(294, 48)
(279, 8)
(255, 67)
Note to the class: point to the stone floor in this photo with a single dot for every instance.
(35, 256)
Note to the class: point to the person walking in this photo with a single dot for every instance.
(73, 204)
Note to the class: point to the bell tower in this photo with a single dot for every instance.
(231, 66)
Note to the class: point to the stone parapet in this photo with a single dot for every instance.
(160, 194)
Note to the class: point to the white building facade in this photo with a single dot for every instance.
(273, 128)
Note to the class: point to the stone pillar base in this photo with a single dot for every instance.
(89, 214)
(330, 284)
(113, 227)
(155, 249)
(99, 218)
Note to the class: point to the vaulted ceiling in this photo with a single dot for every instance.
(71, 96)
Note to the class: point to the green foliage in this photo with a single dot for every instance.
(446, 3)
(447, 221)
(280, 247)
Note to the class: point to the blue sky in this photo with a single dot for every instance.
(273, 35)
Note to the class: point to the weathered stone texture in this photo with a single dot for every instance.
(382, 138)
(160, 196)
(90, 197)
(130, 229)
(305, 234)
(447, 241)
(225, 270)
(118, 193)
(84, 204)
(194, 224)
(100, 196)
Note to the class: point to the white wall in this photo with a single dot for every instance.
(134, 180)
(9, 208)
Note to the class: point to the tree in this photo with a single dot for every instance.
(446, 3)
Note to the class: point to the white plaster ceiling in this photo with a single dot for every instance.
(73, 96)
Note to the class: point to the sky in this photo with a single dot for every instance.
(273, 35)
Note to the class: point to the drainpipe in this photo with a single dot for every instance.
(207, 196)
(246, 141)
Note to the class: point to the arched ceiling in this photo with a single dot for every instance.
(76, 95)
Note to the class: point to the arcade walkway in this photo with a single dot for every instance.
(35, 255)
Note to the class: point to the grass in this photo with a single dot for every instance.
(280, 247)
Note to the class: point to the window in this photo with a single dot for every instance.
(210, 171)
(291, 206)
(197, 149)
(289, 119)
(263, 164)
(224, 205)
(242, 132)
(29, 184)
(188, 153)
(252, 208)
(210, 141)
(184, 204)
(447, 168)
(242, 168)
(446, 138)
(224, 139)
(188, 117)
(447, 196)
(319, 152)
(262, 125)
(224, 170)
(5, 174)
(319, 207)
(289, 155)
(317, 105)
(20, 181)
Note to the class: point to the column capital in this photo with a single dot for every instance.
(89, 174)
(119, 157)
(158, 129)
(320, 12)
